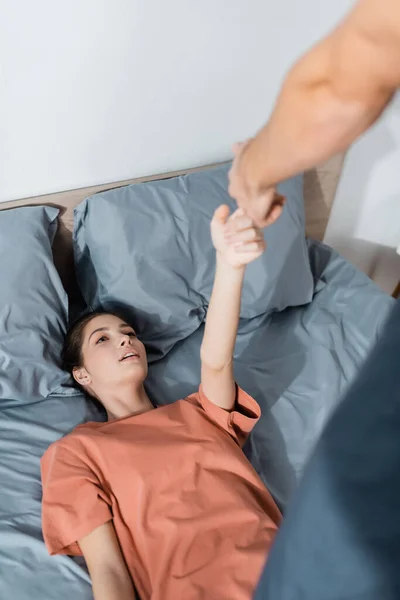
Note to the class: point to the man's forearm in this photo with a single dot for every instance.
(222, 317)
(329, 98)
(309, 125)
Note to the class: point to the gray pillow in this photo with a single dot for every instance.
(33, 306)
(146, 248)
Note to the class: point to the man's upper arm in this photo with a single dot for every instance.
(367, 44)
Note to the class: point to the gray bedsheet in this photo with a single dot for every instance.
(296, 364)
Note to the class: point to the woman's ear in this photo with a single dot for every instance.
(81, 376)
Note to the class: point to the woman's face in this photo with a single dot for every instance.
(112, 356)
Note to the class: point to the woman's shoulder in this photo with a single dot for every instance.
(81, 431)
(72, 441)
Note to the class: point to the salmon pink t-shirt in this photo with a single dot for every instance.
(192, 516)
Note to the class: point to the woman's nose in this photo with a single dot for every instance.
(125, 340)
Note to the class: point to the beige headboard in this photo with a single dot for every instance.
(319, 191)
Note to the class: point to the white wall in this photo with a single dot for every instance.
(365, 219)
(95, 91)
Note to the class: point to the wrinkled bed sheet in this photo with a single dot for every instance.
(296, 364)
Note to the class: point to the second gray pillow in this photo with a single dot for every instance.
(146, 248)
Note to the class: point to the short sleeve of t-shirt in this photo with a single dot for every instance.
(239, 422)
(73, 502)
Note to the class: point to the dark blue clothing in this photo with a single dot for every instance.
(340, 539)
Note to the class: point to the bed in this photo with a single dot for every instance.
(296, 362)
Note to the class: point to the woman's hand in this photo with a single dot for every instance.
(236, 239)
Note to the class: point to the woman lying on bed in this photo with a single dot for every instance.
(163, 497)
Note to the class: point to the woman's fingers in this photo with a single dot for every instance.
(239, 219)
(258, 246)
(238, 222)
(252, 234)
(221, 214)
(242, 234)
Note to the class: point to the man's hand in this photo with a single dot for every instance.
(264, 207)
(236, 239)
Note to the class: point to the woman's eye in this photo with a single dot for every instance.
(101, 339)
(132, 334)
